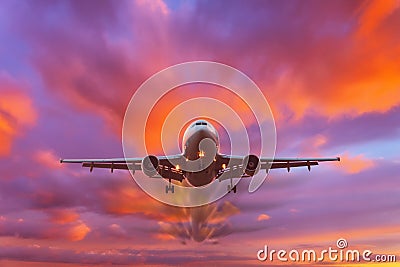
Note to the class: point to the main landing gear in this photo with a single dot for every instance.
(169, 187)
(231, 187)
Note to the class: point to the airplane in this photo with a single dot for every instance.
(200, 163)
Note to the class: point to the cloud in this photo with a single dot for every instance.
(63, 216)
(356, 164)
(117, 230)
(125, 256)
(332, 74)
(38, 227)
(59, 197)
(154, 6)
(78, 231)
(330, 71)
(294, 211)
(16, 111)
(48, 159)
(204, 223)
(373, 13)
(91, 83)
(263, 217)
(311, 145)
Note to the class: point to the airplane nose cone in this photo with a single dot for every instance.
(201, 143)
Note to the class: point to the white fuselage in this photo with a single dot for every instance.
(197, 151)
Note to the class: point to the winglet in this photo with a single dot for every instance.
(61, 160)
(338, 158)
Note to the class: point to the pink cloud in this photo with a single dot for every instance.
(48, 159)
(154, 6)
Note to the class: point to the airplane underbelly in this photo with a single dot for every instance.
(201, 178)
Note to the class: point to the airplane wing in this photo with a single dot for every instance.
(236, 163)
(165, 168)
(278, 163)
(112, 164)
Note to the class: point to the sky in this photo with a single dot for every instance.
(330, 71)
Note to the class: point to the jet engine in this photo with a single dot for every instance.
(150, 165)
(252, 163)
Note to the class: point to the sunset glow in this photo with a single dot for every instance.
(330, 71)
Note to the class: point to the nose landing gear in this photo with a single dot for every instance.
(169, 187)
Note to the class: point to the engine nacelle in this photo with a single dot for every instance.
(252, 165)
(150, 165)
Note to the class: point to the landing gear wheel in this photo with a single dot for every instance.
(169, 187)
(231, 188)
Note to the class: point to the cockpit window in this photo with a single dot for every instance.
(201, 123)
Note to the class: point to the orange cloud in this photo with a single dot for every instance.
(16, 112)
(63, 216)
(263, 217)
(74, 229)
(347, 75)
(367, 81)
(355, 164)
(124, 200)
(78, 231)
(165, 237)
(374, 13)
(181, 94)
(199, 223)
(6, 135)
